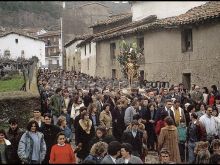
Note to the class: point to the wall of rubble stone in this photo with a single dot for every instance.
(165, 60)
(19, 105)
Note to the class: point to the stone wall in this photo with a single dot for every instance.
(19, 105)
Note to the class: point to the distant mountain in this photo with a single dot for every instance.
(46, 15)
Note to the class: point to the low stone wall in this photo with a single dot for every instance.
(17, 104)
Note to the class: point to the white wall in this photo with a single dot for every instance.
(70, 53)
(162, 9)
(30, 46)
(91, 70)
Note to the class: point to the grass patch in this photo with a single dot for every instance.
(14, 84)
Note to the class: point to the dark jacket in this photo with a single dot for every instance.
(136, 142)
(84, 138)
(95, 159)
(8, 152)
(50, 132)
(118, 123)
(14, 137)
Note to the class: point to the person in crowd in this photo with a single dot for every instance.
(76, 121)
(5, 149)
(209, 123)
(182, 138)
(32, 147)
(63, 127)
(130, 112)
(105, 118)
(93, 116)
(83, 134)
(150, 126)
(14, 134)
(167, 109)
(56, 105)
(75, 104)
(118, 120)
(49, 131)
(62, 153)
(134, 137)
(44, 93)
(101, 135)
(205, 92)
(202, 110)
(168, 138)
(178, 112)
(190, 109)
(99, 103)
(126, 155)
(160, 123)
(97, 152)
(164, 157)
(195, 133)
(37, 117)
(197, 95)
(114, 149)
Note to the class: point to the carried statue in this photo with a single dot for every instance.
(128, 57)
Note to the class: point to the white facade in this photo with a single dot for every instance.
(73, 58)
(88, 59)
(162, 9)
(23, 46)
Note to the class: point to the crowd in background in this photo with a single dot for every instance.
(86, 119)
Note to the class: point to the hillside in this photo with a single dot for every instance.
(31, 14)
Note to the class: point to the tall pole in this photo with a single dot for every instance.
(61, 22)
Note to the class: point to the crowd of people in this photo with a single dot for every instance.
(86, 120)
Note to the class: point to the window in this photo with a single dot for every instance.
(112, 50)
(90, 47)
(140, 43)
(54, 50)
(48, 43)
(85, 50)
(58, 62)
(186, 39)
(68, 62)
(16, 40)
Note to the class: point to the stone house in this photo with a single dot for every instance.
(179, 47)
(52, 41)
(73, 54)
(18, 45)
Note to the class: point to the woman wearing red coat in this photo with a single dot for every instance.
(62, 153)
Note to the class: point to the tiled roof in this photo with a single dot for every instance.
(203, 13)
(118, 29)
(22, 34)
(76, 38)
(113, 19)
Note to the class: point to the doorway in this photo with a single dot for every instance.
(186, 79)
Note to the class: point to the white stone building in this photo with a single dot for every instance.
(162, 9)
(20, 45)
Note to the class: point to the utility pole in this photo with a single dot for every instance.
(62, 48)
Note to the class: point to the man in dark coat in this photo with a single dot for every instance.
(134, 137)
(118, 121)
(14, 135)
(50, 132)
(167, 109)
